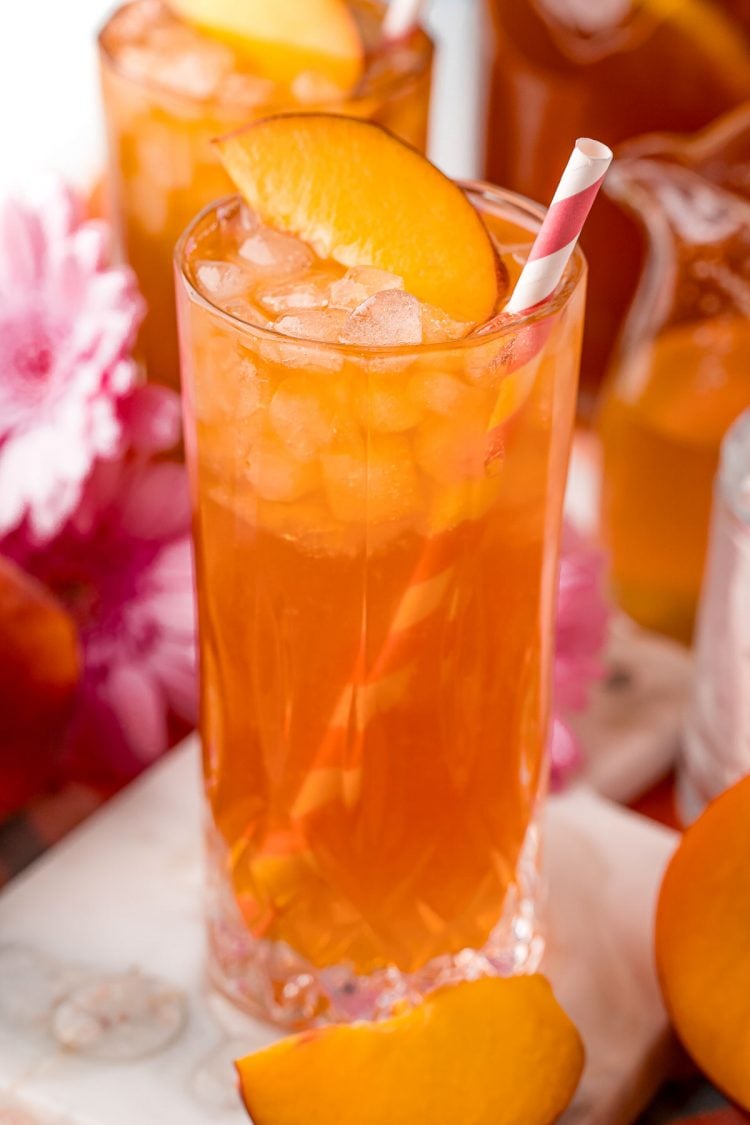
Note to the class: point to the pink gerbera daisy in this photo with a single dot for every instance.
(582, 617)
(67, 324)
(122, 565)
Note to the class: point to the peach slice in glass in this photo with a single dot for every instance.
(485, 1052)
(361, 197)
(285, 38)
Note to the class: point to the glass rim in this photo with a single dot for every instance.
(423, 59)
(510, 326)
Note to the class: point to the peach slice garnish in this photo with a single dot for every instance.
(285, 38)
(703, 942)
(363, 198)
(489, 1052)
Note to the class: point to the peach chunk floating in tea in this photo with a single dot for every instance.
(361, 197)
(703, 942)
(485, 1052)
(285, 38)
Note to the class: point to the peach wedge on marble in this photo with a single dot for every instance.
(485, 1052)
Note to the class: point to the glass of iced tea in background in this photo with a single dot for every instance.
(681, 372)
(170, 88)
(614, 69)
(377, 532)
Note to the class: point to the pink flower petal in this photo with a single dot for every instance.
(173, 566)
(57, 291)
(22, 247)
(582, 619)
(150, 417)
(158, 505)
(179, 681)
(565, 754)
(138, 704)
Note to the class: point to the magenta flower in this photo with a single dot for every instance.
(122, 564)
(67, 324)
(582, 618)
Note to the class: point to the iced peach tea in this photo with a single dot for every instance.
(170, 88)
(377, 516)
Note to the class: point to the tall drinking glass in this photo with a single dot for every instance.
(169, 89)
(377, 536)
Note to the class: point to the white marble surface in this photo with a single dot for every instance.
(124, 892)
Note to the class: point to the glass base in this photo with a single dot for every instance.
(270, 981)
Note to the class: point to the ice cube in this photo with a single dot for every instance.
(135, 21)
(485, 364)
(245, 89)
(300, 355)
(438, 391)
(273, 254)
(454, 448)
(227, 387)
(387, 319)
(194, 71)
(385, 404)
(137, 62)
(246, 310)
(312, 88)
(361, 282)
(236, 220)
(377, 487)
(437, 326)
(223, 280)
(277, 475)
(303, 416)
(305, 293)
(325, 325)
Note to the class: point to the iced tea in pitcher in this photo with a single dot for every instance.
(617, 69)
(681, 372)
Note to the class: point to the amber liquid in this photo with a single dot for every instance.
(662, 432)
(376, 650)
(163, 168)
(551, 83)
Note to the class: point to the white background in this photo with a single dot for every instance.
(49, 98)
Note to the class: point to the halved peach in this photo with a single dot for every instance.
(485, 1052)
(285, 38)
(363, 198)
(703, 941)
(39, 669)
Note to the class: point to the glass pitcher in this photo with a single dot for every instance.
(681, 369)
(612, 69)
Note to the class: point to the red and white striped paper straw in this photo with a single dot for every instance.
(336, 771)
(401, 18)
(337, 768)
(558, 234)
